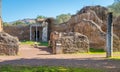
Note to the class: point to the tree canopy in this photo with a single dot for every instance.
(41, 17)
(18, 23)
(5, 24)
(63, 18)
(115, 8)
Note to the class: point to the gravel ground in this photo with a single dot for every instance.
(42, 56)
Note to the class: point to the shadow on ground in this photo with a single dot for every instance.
(48, 51)
(111, 65)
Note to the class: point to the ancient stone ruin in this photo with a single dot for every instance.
(8, 44)
(87, 22)
(71, 42)
(91, 21)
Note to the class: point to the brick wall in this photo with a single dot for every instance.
(22, 32)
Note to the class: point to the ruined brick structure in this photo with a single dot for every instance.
(71, 42)
(90, 21)
(9, 45)
(35, 32)
(20, 31)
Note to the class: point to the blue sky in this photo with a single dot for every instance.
(19, 9)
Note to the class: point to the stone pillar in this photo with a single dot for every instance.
(36, 33)
(30, 32)
(1, 27)
(49, 28)
(109, 41)
(44, 32)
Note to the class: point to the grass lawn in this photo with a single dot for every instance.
(33, 42)
(115, 58)
(94, 51)
(45, 69)
(101, 51)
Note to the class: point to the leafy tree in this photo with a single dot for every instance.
(41, 17)
(5, 24)
(18, 23)
(63, 18)
(115, 8)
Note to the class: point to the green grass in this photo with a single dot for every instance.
(28, 42)
(46, 69)
(33, 42)
(43, 44)
(115, 58)
(95, 51)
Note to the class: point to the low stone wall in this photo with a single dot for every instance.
(8, 44)
(71, 42)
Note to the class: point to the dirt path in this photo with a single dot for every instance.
(42, 56)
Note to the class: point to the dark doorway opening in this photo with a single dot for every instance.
(37, 35)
